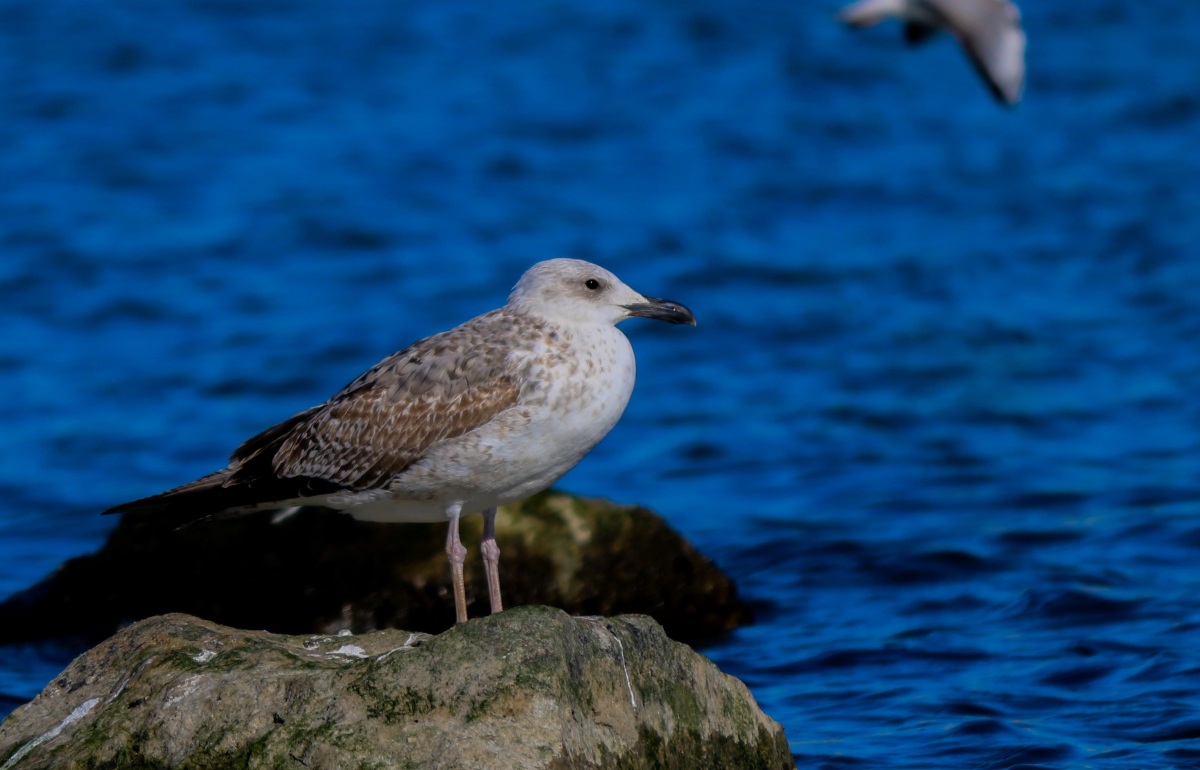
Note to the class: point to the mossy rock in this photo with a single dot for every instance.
(528, 688)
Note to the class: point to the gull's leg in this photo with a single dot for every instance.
(491, 558)
(458, 554)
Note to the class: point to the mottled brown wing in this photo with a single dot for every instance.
(441, 387)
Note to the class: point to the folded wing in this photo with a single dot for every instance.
(367, 434)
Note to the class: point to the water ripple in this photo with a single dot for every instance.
(938, 419)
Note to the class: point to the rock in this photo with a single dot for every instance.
(322, 572)
(527, 688)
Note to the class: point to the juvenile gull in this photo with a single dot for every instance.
(485, 414)
(988, 30)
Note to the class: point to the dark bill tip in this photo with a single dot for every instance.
(662, 310)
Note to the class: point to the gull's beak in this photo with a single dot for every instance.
(662, 310)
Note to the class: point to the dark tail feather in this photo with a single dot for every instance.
(215, 497)
(199, 499)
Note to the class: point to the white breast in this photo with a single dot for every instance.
(575, 390)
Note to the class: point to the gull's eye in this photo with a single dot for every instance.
(592, 284)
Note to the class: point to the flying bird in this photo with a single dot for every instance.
(988, 30)
(459, 423)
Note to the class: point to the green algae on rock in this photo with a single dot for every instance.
(528, 688)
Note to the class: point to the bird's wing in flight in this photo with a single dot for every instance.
(991, 34)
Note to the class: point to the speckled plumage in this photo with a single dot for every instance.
(487, 413)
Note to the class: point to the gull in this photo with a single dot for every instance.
(988, 30)
(485, 414)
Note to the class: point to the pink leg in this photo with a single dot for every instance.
(457, 554)
(491, 558)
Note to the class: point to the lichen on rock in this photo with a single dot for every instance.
(528, 688)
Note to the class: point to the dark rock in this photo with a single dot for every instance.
(527, 688)
(322, 572)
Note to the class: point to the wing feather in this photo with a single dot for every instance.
(369, 432)
(439, 388)
(990, 32)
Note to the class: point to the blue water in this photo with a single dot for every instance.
(937, 419)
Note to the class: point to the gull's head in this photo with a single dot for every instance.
(575, 291)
